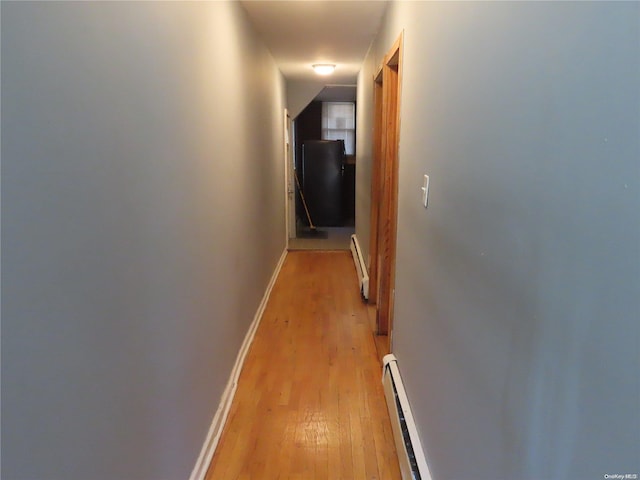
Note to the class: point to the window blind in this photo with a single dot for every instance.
(339, 123)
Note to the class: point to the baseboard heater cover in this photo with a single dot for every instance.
(413, 464)
(363, 276)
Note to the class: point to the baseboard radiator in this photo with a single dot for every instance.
(413, 464)
(363, 277)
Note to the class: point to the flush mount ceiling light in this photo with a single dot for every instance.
(324, 68)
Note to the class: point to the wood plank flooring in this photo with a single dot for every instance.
(309, 403)
(338, 238)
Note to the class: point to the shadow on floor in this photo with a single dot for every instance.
(338, 238)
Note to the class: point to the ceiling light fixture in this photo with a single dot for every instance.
(324, 68)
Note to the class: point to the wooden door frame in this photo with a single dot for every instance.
(375, 187)
(384, 188)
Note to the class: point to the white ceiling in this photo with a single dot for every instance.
(303, 32)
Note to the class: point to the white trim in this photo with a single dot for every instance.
(390, 364)
(361, 268)
(289, 198)
(220, 418)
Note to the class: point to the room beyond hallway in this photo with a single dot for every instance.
(309, 403)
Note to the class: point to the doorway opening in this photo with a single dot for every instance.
(323, 171)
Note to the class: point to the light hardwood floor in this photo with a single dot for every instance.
(309, 403)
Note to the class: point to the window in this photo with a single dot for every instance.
(339, 123)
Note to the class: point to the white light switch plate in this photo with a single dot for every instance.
(425, 191)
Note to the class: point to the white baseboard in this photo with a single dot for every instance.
(220, 418)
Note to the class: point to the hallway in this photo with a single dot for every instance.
(147, 199)
(309, 403)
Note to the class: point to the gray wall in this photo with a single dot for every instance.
(142, 217)
(300, 94)
(364, 150)
(518, 289)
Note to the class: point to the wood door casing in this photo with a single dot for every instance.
(375, 189)
(387, 186)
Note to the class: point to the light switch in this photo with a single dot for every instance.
(425, 191)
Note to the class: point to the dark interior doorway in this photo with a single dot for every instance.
(308, 129)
